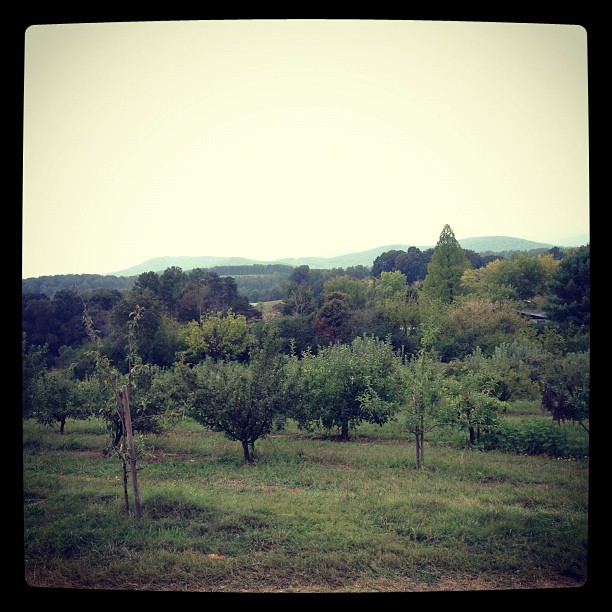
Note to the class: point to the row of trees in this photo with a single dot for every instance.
(337, 388)
(340, 349)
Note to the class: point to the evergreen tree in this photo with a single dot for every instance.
(447, 265)
(570, 287)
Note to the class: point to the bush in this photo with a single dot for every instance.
(534, 437)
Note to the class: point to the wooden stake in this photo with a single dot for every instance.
(131, 449)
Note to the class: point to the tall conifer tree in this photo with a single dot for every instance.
(447, 265)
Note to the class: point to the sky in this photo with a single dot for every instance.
(278, 138)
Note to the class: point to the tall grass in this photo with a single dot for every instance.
(312, 514)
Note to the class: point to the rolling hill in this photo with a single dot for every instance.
(495, 244)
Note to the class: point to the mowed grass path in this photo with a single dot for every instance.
(311, 515)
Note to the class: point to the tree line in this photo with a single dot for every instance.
(264, 282)
(445, 348)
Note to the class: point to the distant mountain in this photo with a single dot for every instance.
(361, 258)
(494, 244)
(500, 244)
(159, 264)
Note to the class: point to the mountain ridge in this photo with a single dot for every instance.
(479, 244)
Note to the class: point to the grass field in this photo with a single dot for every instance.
(312, 515)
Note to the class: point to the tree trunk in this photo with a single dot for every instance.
(132, 451)
(472, 435)
(62, 424)
(126, 495)
(558, 410)
(119, 434)
(422, 436)
(344, 433)
(421, 444)
(418, 452)
(245, 449)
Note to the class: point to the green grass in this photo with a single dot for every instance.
(311, 515)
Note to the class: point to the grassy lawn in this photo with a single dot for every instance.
(311, 515)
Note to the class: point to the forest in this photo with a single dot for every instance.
(440, 338)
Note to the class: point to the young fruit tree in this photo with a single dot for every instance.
(423, 399)
(116, 409)
(59, 395)
(241, 400)
(472, 404)
(565, 384)
(345, 384)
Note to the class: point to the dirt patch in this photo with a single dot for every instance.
(375, 585)
(386, 585)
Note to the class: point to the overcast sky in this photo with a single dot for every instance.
(286, 138)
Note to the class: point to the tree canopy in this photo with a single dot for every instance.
(569, 301)
(447, 265)
(349, 383)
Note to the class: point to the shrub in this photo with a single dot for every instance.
(533, 437)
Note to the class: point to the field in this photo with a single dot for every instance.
(312, 515)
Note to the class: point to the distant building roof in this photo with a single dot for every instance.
(534, 315)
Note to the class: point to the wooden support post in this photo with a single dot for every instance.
(131, 449)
